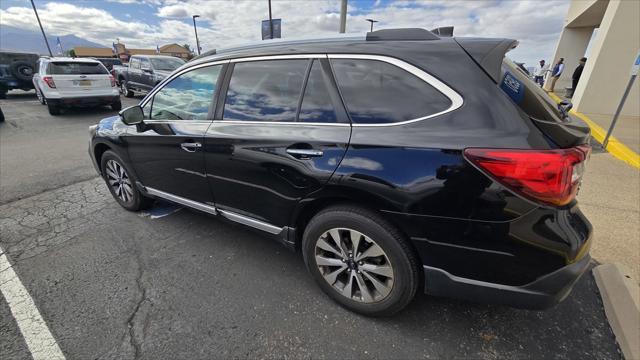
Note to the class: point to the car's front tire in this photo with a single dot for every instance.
(124, 89)
(360, 260)
(122, 183)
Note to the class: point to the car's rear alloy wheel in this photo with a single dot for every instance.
(354, 265)
(361, 260)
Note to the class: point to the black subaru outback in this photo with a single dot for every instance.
(394, 162)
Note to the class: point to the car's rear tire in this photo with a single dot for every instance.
(54, 109)
(124, 89)
(122, 183)
(375, 275)
(116, 105)
(41, 97)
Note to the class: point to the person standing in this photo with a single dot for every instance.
(539, 72)
(555, 74)
(576, 75)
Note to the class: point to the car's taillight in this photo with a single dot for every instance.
(113, 81)
(49, 81)
(547, 176)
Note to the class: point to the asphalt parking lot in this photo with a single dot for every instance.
(112, 284)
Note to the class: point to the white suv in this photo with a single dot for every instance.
(62, 82)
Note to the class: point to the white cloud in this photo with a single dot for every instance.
(222, 23)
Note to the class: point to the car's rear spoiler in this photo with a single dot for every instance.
(487, 53)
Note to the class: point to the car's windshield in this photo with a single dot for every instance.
(76, 68)
(166, 63)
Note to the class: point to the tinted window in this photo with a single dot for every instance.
(76, 68)
(168, 64)
(265, 90)
(134, 63)
(316, 103)
(378, 92)
(186, 97)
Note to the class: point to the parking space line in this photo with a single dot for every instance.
(36, 334)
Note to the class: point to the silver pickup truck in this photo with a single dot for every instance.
(144, 72)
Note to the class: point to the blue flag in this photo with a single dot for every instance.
(59, 45)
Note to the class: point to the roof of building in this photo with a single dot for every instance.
(91, 51)
(174, 48)
(141, 51)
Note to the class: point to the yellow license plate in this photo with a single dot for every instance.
(84, 82)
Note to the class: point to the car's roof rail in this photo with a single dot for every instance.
(415, 34)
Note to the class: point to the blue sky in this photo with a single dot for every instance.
(147, 23)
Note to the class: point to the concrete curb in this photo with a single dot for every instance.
(621, 299)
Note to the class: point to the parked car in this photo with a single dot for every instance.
(65, 82)
(109, 63)
(16, 71)
(145, 72)
(396, 162)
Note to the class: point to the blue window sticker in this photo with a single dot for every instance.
(513, 87)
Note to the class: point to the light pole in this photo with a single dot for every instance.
(343, 16)
(195, 29)
(372, 21)
(41, 28)
(270, 22)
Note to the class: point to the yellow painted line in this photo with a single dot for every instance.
(614, 146)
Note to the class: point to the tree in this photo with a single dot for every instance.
(70, 53)
(186, 46)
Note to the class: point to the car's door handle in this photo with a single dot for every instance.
(191, 146)
(304, 153)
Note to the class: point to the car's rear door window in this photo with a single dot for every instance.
(265, 90)
(188, 96)
(377, 92)
(76, 68)
(316, 103)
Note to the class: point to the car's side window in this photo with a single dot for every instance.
(188, 96)
(378, 92)
(144, 64)
(316, 103)
(266, 90)
(134, 63)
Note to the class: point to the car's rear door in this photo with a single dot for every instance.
(80, 79)
(268, 146)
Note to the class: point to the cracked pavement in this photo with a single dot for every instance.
(113, 284)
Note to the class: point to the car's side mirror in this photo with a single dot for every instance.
(132, 115)
(147, 70)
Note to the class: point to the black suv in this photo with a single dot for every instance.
(16, 71)
(394, 162)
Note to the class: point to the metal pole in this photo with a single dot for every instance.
(195, 29)
(41, 28)
(618, 110)
(372, 21)
(270, 22)
(343, 17)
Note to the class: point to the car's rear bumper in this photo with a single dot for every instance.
(85, 101)
(539, 294)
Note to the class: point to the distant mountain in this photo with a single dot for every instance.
(12, 38)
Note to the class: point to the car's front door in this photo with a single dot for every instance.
(133, 73)
(269, 146)
(146, 75)
(166, 150)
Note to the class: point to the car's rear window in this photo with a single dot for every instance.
(76, 68)
(527, 94)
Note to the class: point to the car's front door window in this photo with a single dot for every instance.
(187, 97)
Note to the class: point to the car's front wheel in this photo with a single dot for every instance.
(116, 105)
(122, 183)
(360, 260)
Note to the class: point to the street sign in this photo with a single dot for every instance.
(266, 29)
(636, 65)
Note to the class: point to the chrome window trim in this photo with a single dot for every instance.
(454, 97)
